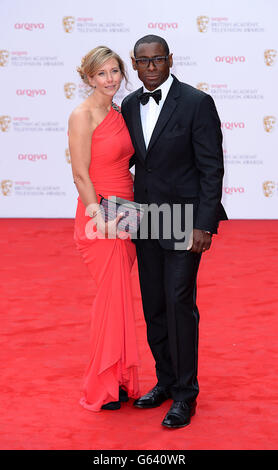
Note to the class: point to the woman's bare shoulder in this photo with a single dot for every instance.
(81, 116)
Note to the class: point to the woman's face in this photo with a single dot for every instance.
(107, 79)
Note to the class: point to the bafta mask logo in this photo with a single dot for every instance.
(203, 87)
(4, 57)
(268, 188)
(67, 154)
(69, 89)
(270, 57)
(5, 122)
(68, 23)
(6, 187)
(269, 123)
(202, 23)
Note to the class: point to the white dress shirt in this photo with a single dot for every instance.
(151, 110)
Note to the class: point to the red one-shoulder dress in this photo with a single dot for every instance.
(114, 358)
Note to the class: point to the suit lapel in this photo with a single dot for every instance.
(166, 112)
(137, 124)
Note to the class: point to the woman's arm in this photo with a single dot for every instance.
(81, 128)
(80, 139)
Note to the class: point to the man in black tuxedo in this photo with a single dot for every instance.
(176, 134)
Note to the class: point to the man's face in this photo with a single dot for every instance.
(152, 75)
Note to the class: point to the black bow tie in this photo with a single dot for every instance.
(144, 97)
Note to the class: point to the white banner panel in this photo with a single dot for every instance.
(229, 50)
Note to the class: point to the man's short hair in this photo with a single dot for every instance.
(148, 40)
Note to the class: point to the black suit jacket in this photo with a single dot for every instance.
(184, 160)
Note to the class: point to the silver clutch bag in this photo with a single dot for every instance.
(133, 212)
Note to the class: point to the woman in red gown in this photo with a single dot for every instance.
(100, 149)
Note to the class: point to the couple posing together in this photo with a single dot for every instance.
(171, 132)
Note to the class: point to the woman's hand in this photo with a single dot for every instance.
(107, 229)
(92, 209)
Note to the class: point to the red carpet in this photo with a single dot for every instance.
(45, 304)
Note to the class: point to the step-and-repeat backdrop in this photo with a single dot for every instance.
(227, 49)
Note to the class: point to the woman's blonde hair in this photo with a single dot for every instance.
(94, 59)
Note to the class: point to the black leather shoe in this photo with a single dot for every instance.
(116, 405)
(112, 405)
(179, 414)
(153, 398)
(123, 396)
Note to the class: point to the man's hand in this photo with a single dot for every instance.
(201, 241)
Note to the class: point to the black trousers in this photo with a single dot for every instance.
(168, 288)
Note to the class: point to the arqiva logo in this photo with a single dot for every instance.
(29, 26)
(233, 190)
(230, 59)
(232, 125)
(33, 157)
(31, 93)
(163, 26)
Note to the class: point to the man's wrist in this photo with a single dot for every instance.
(202, 230)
